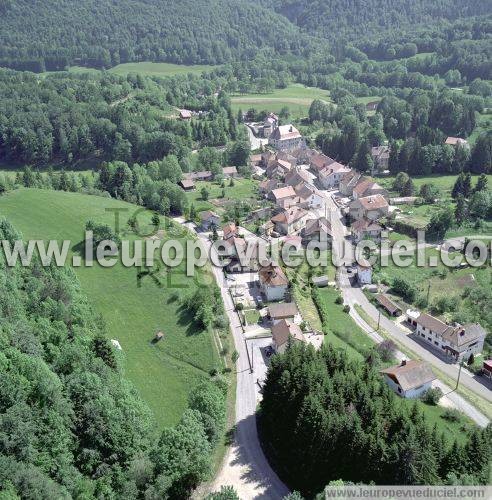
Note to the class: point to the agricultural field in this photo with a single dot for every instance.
(296, 97)
(134, 307)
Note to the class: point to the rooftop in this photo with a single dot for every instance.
(410, 374)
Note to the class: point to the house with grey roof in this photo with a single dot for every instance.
(409, 379)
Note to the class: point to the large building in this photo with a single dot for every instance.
(286, 138)
(456, 341)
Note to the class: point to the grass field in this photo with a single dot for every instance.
(295, 96)
(340, 327)
(133, 309)
(145, 68)
(445, 183)
(243, 189)
(484, 123)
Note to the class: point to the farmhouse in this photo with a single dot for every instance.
(209, 220)
(369, 207)
(229, 172)
(289, 311)
(392, 308)
(290, 221)
(273, 282)
(365, 229)
(285, 331)
(187, 185)
(456, 341)
(410, 379)
(286, 138)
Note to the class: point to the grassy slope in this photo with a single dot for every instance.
(163, 374)
(295, 96)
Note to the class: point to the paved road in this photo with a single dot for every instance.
(354, 295)
(254, 141)
(245, 466)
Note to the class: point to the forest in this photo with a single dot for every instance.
(50, 35)
(71, 425)
(69, 117)
(325, 417)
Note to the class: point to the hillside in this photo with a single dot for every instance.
(51, 34)
(356, 19)
(132, 309)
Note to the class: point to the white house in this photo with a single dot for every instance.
(290, 221)
(364, 272)
(457, 142)
(284, 330)
(331, 175)
(456, 341)
(410, 379)
(286, 138)
(273, 282)
(309, 196)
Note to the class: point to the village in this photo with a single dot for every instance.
(307, 197)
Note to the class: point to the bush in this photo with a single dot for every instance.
(346, 308)
(339, 300)
(432, 396)
(386, 350)
(239, 306)
(451, 414)
(404, 289)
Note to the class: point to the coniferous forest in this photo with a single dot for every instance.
(325, 417)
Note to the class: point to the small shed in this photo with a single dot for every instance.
(385, 302)
(185, 114)
(187, 185)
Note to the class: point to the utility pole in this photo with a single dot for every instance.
(252, 357)
(379, 319)
(428, 292)
(459, 373)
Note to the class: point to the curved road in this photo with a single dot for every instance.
(354, 295)
(245, 466)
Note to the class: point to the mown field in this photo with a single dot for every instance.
(146, 68)
(134, 309)
(295, 96)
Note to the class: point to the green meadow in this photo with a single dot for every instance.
(134, 307)
(146, 68)
(296, 97)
